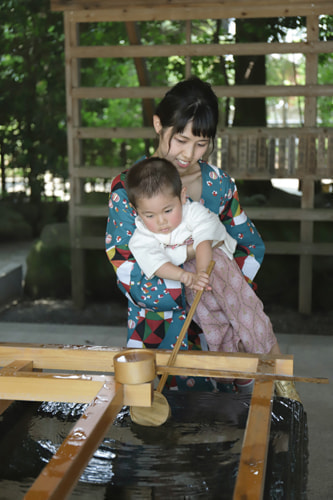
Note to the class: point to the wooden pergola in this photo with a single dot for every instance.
(305, 153)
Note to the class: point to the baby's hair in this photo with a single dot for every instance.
(150, 177)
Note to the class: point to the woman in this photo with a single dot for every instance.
(185, 122)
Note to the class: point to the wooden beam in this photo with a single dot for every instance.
(127, 4)
(252, 466)
(60, 475)
(182, 10)
(255, 213)
(296, 214)
(221, 91)
(272, 247)
(61, 387)
(11, 369)
(196, 50)
(308, 187)
(74, 145)
(228, 374)
(100, 359)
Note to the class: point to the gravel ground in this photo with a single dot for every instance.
(115, 314)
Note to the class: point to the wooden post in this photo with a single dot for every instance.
(188, 65)
(74, 161)
(252, 467)
(310, 118)
(60, 475)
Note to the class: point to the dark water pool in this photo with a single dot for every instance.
(195, 455)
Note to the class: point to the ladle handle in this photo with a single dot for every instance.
(183, 331)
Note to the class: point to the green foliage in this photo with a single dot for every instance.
(32, 90)
(13, 226)
(32, 82)
(48, 272)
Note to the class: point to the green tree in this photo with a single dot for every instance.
(325, 71)
(251, 70)
(32, 90)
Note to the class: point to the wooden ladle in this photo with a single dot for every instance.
(159, 412)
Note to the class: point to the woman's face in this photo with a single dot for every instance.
(182, 150)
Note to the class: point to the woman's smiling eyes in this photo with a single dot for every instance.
(180, 140)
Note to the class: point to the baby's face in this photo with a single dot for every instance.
(161, 213)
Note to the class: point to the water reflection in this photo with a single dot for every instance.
(194, 455)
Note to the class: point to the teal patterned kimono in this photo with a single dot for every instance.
(156, 307)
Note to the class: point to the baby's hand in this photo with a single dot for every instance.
(188, 278)
(202, 281)
(196, 281)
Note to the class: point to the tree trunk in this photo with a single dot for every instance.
(3, 170)
(250, 70)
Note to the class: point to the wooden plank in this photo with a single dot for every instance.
(252, 468)
(79, 92)
(104, 4)
(310, 119)
(242, 154)
(321, 155)
(330, 154)
(276, 132)
(297, 214)
(305, 269)
(233, 161)
(147, 133)
(198, 372)
(298, 248)
(224, 151)
(271, 156)
(100, 359)
(281, 156)
(4, 404)
(199, 50)
(31, 386)
(60, 475)
(11, 369)
(16, 366)
(72, 73)
(291, 168)
(262, 154)
(301, 157)
(211, 10)
(97, 172)
(311, 164)
(272, 247)
(252, 154)
(113, 133)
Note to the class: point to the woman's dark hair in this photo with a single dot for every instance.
(152, 176)
(190, 100)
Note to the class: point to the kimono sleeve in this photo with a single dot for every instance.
(250, 249)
